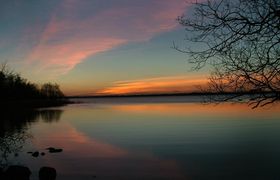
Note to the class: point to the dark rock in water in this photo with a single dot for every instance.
(17, 173)
(42, 154)
(16, 154)
(1, 173)
(54, 150)
(35, 154)
(47, 173)
(50, 148)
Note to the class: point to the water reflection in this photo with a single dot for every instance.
(50, 116)
(225, 109)
(174, 141)
(85, 156)
(14, 125)
(154, 141)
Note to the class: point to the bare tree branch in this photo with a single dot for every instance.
(241, 41)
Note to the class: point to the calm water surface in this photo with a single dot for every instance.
(148, 138)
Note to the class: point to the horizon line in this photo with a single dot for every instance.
(160, 94)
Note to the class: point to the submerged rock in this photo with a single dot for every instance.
(35, 154)
(17, 173)
(54, 150)
(47, 173)
(1, 173)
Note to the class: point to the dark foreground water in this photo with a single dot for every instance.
(148, 138)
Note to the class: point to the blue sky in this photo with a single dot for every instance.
(97, 46)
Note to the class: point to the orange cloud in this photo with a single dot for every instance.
(154, 85)
(70, 36)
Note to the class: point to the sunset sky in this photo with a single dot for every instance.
(98, 46)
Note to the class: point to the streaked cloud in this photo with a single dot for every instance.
(174, 84)
(80, 29)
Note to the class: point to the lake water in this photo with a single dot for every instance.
(146, 138)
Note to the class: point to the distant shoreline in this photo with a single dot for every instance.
(160, 95)
(34, 103)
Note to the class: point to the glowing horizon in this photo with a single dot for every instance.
(156, 85)
(162, 85)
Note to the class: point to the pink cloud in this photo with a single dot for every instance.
(63, 57)
(69, 38)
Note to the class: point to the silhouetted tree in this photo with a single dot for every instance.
(14, 87)
(240, 40)
(51, 91)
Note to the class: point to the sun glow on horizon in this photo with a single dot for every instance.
(160, 85)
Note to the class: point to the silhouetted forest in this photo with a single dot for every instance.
(14, 87)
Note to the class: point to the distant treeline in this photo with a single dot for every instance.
(14, 87)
